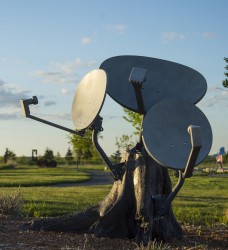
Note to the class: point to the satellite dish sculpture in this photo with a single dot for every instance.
(174, 133)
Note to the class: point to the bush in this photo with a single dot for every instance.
(11, 204)
(46, 164)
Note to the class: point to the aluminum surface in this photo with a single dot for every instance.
(163, 80)
(165, 133)
(89, 99)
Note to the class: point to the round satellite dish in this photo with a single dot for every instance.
(89, 99)
(163, 80)
(165, 133)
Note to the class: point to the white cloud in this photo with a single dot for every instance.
(209, 35)
(85, 40)
(65, 91)
(49, 103)
(175, 36)
(9, 116)
(68, 67)
(119, 28)
(57, 116)
(10, 95)
(172, 36)
(215, 96)
(63, 72)
(3, 59)
(51, 77)
(1, 82)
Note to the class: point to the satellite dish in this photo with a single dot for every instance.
(89, 98)
(165, 133)
(163, 80)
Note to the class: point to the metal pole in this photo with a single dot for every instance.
(81, 133)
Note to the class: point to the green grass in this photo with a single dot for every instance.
(91, 167)
(24, 176)
(202, 200)
(54, 201)
(211, 164)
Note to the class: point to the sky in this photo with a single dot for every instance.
(47, 47)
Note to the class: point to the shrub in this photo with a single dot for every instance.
(155, 245)
(11, 204)
(46, 164)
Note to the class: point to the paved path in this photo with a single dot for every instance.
(98, 177)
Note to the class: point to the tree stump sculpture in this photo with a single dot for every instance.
(128, 210)
(174, 134)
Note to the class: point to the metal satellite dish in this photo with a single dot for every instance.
(159, 80)
(165, 133)
(89, 99)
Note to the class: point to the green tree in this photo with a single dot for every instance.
(83, 146)
(69, 155)
(48, 155)
(225, 157)
(48, 159)
(134, 119)
(225, 82)
(9, 155)
(125, 142)
(116, 156)
(58, 156)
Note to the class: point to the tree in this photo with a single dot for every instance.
(8, 155)
(225, 82)
(48, 159)
(48, 155)
(58, 156)
(134, 119)
(124, 143)
(116, 156)
(69, 155)
(132, 207)
(83, 146)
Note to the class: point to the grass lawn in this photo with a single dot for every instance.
(54, 201)
(202, 200)
(23, 176)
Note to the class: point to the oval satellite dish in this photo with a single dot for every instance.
(160, 79)
(165, 133)
(89, 99)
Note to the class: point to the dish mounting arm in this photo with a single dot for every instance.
(26, 111)
(116, 170)
(162, 204)
(96, 127)
(137, 77)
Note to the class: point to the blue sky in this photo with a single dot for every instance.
(46, 47)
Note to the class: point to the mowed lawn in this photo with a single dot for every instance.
(23, 176)
(55, 201)
(202, 200)
(42, 197)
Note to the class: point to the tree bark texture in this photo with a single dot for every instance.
(128, 210)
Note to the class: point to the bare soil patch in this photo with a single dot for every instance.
(12, 238)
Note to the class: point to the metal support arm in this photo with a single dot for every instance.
(96, 127)
(163, 203)
(137, 77)
(26, 111)
(116, 170)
